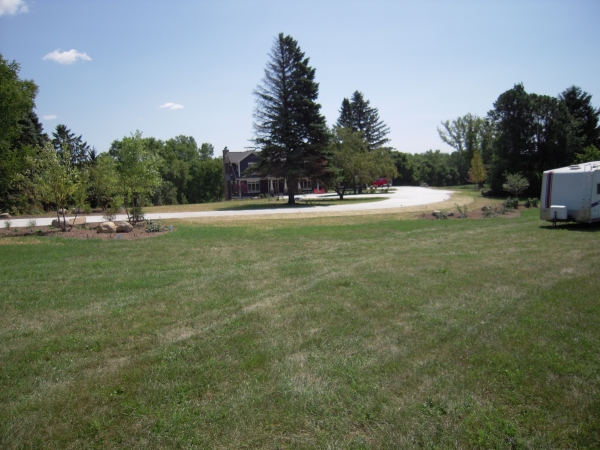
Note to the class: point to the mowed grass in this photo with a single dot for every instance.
(322, 332)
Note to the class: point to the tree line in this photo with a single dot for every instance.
(41, 172)
(523, 134)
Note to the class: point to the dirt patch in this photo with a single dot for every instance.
(89, 231)
(474, 214)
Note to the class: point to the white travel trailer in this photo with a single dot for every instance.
(571, 193)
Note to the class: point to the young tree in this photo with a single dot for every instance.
(477, 172)
(354, 164)
(358, 115)
(467, 134)
(137, 168)
(289, 128)
(56, 180)
(515, 183)
(104, 182)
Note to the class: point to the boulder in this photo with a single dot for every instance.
(107, 227)
(77, 211)
(56, 223)
(450, 214)
(435, 213)
(124, 227)
(97, 210)
(77, 221)
(63, 211)
(486, 208)
(5, 216)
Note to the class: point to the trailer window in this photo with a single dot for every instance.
(598, 189)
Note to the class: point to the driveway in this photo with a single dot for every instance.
(399, 197)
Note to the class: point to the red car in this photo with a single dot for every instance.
(380, 182)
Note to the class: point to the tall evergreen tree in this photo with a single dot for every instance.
(289, 128)
(579, 104)
(77, 149)
(358, 115)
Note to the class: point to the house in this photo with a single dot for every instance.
(239, 185)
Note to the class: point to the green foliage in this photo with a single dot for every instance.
(477, 173)
(56, 180)
(532, 202)
(138, 174)
(104, 182)
(65, 142)
(468, 134)
(515, 183)
(462, 212)
(511, 203)
(590, 153)
(357, 115)
(154, 226)
(354, 164)
(289, 128)
(17, 99)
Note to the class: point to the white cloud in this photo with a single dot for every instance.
(66, 57)
(50, 117)
(171, 105)
(12, 7)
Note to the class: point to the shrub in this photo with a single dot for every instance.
(511, 203)
(7, 224)
(440, 215)
(491, 212)
(532, 203)
(154, 226)
(31, 223)
(462, 212)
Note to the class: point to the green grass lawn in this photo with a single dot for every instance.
(327, 333)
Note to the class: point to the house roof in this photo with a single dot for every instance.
(236, 157)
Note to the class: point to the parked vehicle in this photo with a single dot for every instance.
(380, 182)
(571, 193)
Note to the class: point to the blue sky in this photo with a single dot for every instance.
(418, 62)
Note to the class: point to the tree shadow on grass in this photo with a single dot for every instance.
(572, 226)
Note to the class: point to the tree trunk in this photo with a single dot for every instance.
(341, 192)
(292, 191)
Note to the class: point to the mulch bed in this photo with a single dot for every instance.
(471, 214)
(88, 231)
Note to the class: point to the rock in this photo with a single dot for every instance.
(486, 208)
(97, 210)
(123, 227)
(424, 185)
(5, 216)
(63, 211)
(435, 213)
(78, 221)
(450, 214)
(107, 227)
(56, 223)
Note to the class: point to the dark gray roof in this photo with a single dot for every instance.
(236, 157)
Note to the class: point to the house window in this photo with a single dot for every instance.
(304, 184)
(253, 186)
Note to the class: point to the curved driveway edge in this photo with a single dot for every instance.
(400, 197)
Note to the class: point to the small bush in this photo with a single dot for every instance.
(261, 195)
(7, 224)
(462, 212)
(532, 203)
(441, 215)
(154, 226)
(511, 203)
(491, 212)
(31, 223)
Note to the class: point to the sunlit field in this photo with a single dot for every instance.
(340, 332)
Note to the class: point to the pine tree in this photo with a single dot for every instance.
(77, 149)
(289, 128)
(358, 115)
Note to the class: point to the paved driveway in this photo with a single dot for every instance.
(399, 197)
